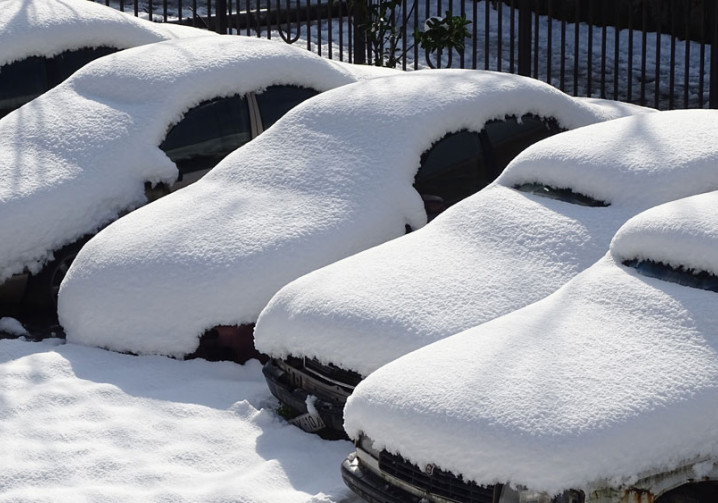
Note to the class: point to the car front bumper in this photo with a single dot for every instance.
(279, 382)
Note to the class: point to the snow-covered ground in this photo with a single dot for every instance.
(80, 424)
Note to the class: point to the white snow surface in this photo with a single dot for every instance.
(496, 251)
(612, 377)
(84, 424)
(331, 178)
(77, 157)
(12, 326)
(49, 27)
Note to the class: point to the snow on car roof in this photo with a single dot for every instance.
(611, 378)
(332, 177)
(75, 158)
(49, 27)
(496, 251)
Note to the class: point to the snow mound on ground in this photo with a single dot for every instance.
(77, 157)
(331, 178)
(82, 424)
(498, 250)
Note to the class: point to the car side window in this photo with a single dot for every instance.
(276, 101)
(21, 82)
(452, 169)
(686, 277)
(207, 133)
(27, 79)
(509, 136)
(65, 64)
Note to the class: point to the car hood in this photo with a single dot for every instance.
(332, 177)
(612, 376)
(498, 250)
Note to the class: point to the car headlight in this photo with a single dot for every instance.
(522, 495)
(367, 445)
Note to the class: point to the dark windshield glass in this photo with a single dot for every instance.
(207, 133)
(562, 194)
(65, 64)
(276, 101)
(509, 137)
(685, 277)
(21, 82)
(454, 168)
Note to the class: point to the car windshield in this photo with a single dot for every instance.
(562, 194)
(680, 275)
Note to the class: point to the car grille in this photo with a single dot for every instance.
(332, 373)
(440, 483)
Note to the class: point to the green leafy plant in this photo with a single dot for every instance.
(448, 32)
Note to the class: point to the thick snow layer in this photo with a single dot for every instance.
(83, 424)
(49, 27)
(613, 376)
(496, 251)
(77, 157)
(331, 178)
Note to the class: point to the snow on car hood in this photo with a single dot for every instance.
(49, 27)
(331, 178)
(75, 158)
(612, 377)
(496, 251)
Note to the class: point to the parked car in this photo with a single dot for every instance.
(550, 215)
(606, 391)
(45, 41)
(128, 128)
(332, 177)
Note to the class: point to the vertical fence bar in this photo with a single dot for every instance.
(549, 41)
(512, 38)
(604, 49)
(136, 8)
(221, 16)
(309, 25)
(629, 85)
(687, 66)
(359, 52)
(702, 64)
(150, 9)
(713, 96)
(164, 9)
(524, 45)
(589, 51)
(122, 5)
(644, 51)
(576, 41)
(657, 83)
(499, 36)
(416, 25)
(562, 70)
(616, 52)
(487, 34)
(672, 64)
(536, 44)
(330, 26)
(319, 26)
(474, 35)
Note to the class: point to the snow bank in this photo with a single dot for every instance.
(612, 376)
(82, 424)
(49, 27)
(331, 178)
(496, 251)
(77, 157)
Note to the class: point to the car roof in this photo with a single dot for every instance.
(74, 24)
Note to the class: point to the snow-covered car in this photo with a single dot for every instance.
(129, 127)
(42, 42)
(332, 177)
(551, 214)
(604, 392)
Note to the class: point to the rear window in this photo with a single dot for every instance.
(680, 275)
(560, 193)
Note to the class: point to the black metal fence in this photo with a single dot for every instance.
(650, 52)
